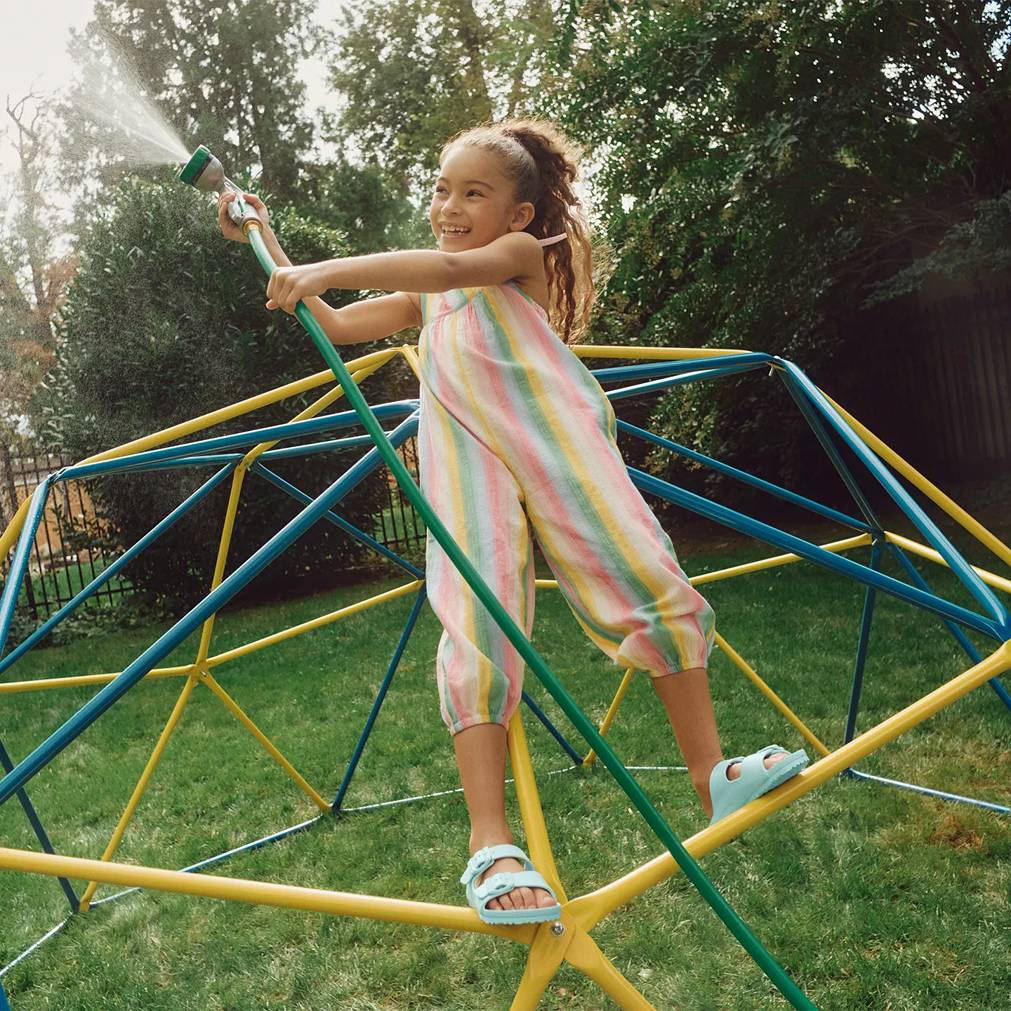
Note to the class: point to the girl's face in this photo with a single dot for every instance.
(472, 201)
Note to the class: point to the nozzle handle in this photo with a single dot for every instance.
(239, 209)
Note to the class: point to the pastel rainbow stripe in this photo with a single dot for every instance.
(513, 426)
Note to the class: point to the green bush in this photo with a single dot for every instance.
(165, 321)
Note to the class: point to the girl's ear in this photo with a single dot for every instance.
(523, 214)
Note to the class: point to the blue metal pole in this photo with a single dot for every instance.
(4, 1006)
(679, 380)
(779, 538)
(40, 833)
(176, 463)
(377, 703)
(309, 426)
(823, 437)
(307, 448)
(923, 523)
(258, 561)
(862, 642)
(940, 794)
(19, 564)
(960, 636)
(552, 729)
(107, 573)
(671, 367)
(742, 475)
(338, 521)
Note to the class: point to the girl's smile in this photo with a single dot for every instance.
(472, 202)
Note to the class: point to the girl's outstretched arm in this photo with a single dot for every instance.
(515, 255)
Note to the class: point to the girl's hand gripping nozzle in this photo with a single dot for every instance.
(204, 171)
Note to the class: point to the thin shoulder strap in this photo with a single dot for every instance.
(553, 239)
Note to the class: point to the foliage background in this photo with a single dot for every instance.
(160, 325)
(784, 177)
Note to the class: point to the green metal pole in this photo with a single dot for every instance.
(624, 778)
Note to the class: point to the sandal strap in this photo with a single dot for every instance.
(754, 764)
(486, 856)
(507, 881)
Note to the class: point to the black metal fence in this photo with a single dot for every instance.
(400, 527)
(73, 546)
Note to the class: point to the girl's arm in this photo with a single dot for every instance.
(516, 255)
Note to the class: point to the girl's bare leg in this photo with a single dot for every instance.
(480, 756)
(689, 706)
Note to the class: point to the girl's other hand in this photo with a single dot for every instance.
(288, 285)
(229, 229)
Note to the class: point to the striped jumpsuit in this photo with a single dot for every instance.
(515, 433)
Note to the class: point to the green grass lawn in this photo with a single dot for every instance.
(870, 897)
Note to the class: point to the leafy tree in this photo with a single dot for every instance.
(413, 72)
(772, 169)
(361, 202)
(33, 274)
(164, 322)
(224, 74)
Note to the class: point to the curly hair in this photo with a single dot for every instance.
(542, 164)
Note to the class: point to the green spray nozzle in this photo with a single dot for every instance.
(204, 171)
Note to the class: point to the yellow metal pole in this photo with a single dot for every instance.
(773, 561)
(267, 744)
(590, 908)
(317, 900)
(314, 623)
(312, 410)
(47, 684)
(952, 508)
(145, 778)
(13, 529)
(990, 578)
(585, 956)
(787, 712)
(760, 564)
(619, 695)
(410, 355)
(233, 411)
(530, 806)
(224, 543)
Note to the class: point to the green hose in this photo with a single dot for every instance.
(653, 818)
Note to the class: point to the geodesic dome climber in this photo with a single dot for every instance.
(240, 458)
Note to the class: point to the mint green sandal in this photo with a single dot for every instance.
(505, 881)
(727, 795)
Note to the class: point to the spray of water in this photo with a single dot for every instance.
(109, 95)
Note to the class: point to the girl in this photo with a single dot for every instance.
(515, 433)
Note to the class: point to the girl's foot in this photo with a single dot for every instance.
(738, 781)
(734, 771)
(518, 898)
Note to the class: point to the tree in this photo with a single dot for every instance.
(771, 169)
(412, 73)
(224, 74)
(33, 277)
(164, 322)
